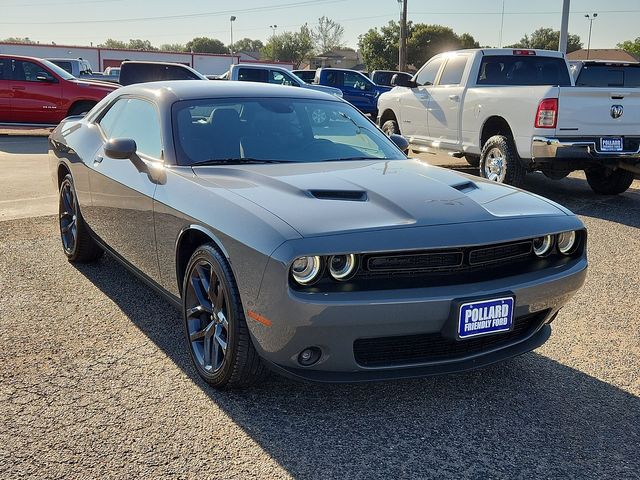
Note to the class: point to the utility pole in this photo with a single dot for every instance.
(231, 20)
(591, 19)
(564, 27)
(402, 57)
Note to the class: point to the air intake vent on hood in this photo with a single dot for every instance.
(348, 195)
(465, 187)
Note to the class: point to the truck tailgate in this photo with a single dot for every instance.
(591, 111)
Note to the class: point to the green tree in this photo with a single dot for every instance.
(631, 46)
(289, 46)
(172, 47)
(18, 40)
(328, 35)
(111, 43)
(206, 45)
(379, 48)
(248, 45)
(138, 44)
(547, 39)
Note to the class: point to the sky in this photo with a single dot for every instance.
(78, 22)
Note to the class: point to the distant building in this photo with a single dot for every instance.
(612, 54)
(339, 58)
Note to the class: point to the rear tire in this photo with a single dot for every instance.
(607, 181)
(501, 163)
(215, 325)
(77, 243)
(391, 127)
(473, 160)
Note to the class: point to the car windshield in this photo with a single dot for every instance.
(61, 72)
(275, 129)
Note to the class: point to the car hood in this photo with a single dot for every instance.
(338, 197)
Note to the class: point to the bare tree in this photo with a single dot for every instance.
(327, 35)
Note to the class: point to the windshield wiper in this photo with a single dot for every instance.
(233, 161)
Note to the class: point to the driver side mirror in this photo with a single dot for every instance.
(402, 81)
(120, 148)
(401, 142)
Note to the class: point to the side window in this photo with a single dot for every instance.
(332, 78)
(5, 68)
(252, 75)
(27, 71)
(65, 66)
(277, 77)
(453, 70)
(428, 74)
(355, 80)
(136, 119)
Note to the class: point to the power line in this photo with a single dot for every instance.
(184, 16)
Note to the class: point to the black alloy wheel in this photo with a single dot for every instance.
(216, 330)
(77, 243)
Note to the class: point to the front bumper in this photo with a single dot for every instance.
(334, 321)
(585, 148)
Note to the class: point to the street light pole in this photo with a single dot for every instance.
(402, 53)
(273, 30)
(564, 27)
(591, 19)
(231, 20)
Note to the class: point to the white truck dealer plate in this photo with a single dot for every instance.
(611, 144)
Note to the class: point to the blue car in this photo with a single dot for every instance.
(356, 88)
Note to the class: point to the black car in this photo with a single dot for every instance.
(598, 73)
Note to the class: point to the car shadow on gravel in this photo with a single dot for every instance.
(531, 417)
(23, 144)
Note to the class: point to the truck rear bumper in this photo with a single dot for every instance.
(586, 148)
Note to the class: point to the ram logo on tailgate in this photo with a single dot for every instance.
(616, 111)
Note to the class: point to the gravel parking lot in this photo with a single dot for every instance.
(96, 381)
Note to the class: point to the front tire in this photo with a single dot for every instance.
(500, 162)
(77, 243)
(607, 181)
(215, 326)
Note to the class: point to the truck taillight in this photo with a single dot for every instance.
(547, 114)
(524, 52)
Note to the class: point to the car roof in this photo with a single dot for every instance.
(174, 90)
(20, 57)
(617, 63)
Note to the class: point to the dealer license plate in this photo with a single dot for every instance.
(485, 317)
(611, 144)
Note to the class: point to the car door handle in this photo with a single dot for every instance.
(454, 98)
(17, 88)
(98, 159)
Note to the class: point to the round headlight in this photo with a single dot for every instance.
(341, 267)
(306, 269)
(542, 245)
(566, 242)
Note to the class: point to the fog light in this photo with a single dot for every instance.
(305, 270)
(566, 242)
(341, 267)
(542, 245)
(309, 356)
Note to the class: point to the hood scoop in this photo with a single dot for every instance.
(344, 195)
(465, 187)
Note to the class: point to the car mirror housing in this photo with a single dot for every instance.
(401, 142)
(402, 81)
(120, 148)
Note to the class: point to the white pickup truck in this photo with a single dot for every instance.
(516, 111)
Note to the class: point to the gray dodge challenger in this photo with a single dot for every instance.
(317, 250)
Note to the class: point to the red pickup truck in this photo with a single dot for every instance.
(34, 91)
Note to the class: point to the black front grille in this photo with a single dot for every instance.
(415, 262)
(499, 253)
(433, 347)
